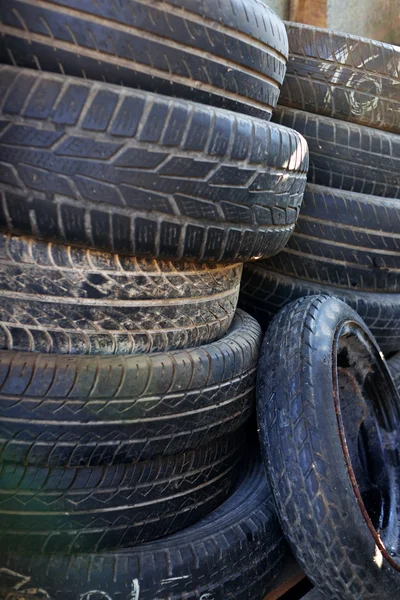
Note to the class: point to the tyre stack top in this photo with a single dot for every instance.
(342, 92)
(131, 194)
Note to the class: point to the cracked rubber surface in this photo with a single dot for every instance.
(59, 410)
(66, 299)
(232, 554)
(347, 156)
(343, 76)
(346, 240)
(134, 172)
(225, 54)
(301, 446)
(264, 292)
(71, 510)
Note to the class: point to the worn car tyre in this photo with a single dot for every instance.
(264, 292)
(329, 420)
(232, 554)
(347, 156)
(90, 509)
(344, 239)
(343, 76)
(59, 410)
(68, 299)
(232, 55)
(129, 171)
(394, 368)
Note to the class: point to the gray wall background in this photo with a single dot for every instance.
(376, 19)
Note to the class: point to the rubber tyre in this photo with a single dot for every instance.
(65, 299)
(264, 292)
(344, 239)
(347, 156)
(232, 56)
(59, 410)
(47, 510)
(312, 347)
(129, 171)
(233, 554)
(394, 367)
(342, 76)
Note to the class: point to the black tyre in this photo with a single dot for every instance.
(394, 367)
(346, 240)
(47, 510)
(233, 554)
(130, 171)
(329, 419)
(264, 292)
(343, 76)
(66, 299)
(347, 156)
(58, 410)
(230, 55)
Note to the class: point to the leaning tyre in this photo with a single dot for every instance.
(129, 171)
(231, 55)
(58, 410)
(329, 419)
(342, 76)
(90, 509)
(66, 299)
(264, 292)
(347, 156)
(346, 240)
(233, 553)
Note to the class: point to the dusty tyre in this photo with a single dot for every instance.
(394, 367)
(343, 76)
(91, 509)
(199, 562)
(264, 292)
(346, 240)
(129, 171)
(329, 415)
(230, 55)
(347, 156)
(59, 410)
(66, 299)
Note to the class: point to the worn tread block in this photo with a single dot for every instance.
(197, 170)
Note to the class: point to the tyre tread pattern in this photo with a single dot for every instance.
(65, 299)
(133, 172)
(343, 76)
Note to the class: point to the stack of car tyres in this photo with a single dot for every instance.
(138, 171)
(342, 93)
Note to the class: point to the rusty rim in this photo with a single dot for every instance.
(368, 416)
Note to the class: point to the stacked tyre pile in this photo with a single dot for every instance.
(127, 378)
(341, 93)
(328, 409)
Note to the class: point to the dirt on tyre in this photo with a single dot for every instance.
(133, 172)
(91, 509)
(230, 55)
(342, 76)
(66, 299)
(233, 553)
(265, 291)
(60, 410)
(347, 156)
(329, 415)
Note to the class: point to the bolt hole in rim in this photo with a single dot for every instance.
(368, 416)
